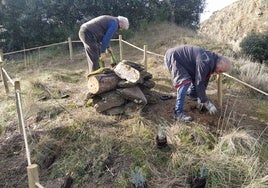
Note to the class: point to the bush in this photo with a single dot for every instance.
(255, 45)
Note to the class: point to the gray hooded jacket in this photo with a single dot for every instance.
(191, 63)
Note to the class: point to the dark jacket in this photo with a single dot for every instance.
(191, 63)
(103, 28)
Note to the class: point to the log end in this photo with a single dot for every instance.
(93, 85)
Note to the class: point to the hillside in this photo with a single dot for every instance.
(74, 146)
(232, 23)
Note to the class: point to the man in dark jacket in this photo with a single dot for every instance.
(192, 66)
(96, 35)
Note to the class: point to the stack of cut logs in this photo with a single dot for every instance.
(123, 90)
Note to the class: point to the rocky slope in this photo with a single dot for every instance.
(232, 23)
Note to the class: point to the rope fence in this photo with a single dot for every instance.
(32, 169)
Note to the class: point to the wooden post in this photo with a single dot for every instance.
(120, 47)
(4, 78)
(219, 83)
(33, 175)
(1, 58)
(145, 57)
(39, 56)
(17, 89)
(70, 48)
(25, 58)
(21, 121)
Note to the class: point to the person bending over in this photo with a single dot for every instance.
(192, 66)
(96, 35)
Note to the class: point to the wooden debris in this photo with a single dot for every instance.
(125, 90)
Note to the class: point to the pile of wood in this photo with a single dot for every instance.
(124, 90)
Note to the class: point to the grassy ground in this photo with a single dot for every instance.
(74, 145)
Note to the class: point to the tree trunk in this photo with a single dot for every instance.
(101, 83)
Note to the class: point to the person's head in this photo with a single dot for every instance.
(123, 22)
(223, 65)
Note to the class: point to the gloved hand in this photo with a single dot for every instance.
(208, 105)
(102, 57)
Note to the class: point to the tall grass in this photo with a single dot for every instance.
(253, 73)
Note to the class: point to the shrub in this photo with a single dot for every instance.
(255, 45)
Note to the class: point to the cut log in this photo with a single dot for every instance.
(148, 84)
(146, 75)
(127, 72)
(125, 83)
(134, 94)
(135, 65)
(101, 83)
(109, 100)
(116, 110)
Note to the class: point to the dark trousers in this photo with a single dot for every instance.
(92, 48)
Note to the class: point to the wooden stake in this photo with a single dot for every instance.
(219, 83)
(70, 48)
(33, 175)
(145, 57)
(1, 57)
(4, 77)
(120, 47)
(17, 88)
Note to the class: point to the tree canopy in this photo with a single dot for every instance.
(28, 23)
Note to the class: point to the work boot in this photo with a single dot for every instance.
(180, 116)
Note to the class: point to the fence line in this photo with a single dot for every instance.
(35, 48)
(219, 77)
(32, 169)
(252, 87)
(120, 45)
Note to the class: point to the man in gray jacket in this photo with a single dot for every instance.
(192, 66)
(96, 35)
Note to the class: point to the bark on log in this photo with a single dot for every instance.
(134, 94)
(116, 110)
(135, 65)
(148, 84)
(109, 100)
(127, 72)
(101, 83)
(125, 83)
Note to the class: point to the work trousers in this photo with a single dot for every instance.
(92, 48)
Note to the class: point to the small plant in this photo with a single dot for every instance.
(138, 178)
